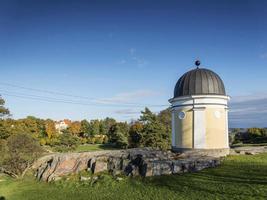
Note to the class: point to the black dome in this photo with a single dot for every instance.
(199, 81)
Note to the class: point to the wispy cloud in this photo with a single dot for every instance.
(127, 97)
(132, 51)
(140, 61)
(135, 58)
(127, 112)
(249, 110)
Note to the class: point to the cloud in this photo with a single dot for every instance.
(249, 110)
(132, 51)
(127, 112)
(135, 58)
(263, 56)
(127, 97)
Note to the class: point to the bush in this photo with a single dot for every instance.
(67, 142)
(99, 140)
(42, 142)
(20, 151)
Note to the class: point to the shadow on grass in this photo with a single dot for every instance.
(108, 147)
(243, 180)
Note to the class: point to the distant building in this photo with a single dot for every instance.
(62, 125)
(200, 112)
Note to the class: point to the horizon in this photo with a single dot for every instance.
(96, 59)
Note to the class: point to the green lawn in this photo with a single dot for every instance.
(239, 177)
(93, 147)
(248, 145)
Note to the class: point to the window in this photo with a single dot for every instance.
(217, 114)
(181, 115)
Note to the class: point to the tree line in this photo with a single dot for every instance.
(21, 140)
(151, 129)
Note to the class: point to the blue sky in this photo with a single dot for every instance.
(130, 53)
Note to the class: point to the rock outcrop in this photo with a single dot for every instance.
(133, 162)
(248, 150)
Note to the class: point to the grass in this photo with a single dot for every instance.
(239, 177)
(94, 147)
(248, 145)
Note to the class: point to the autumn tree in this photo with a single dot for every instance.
(50, 128)
(75, 128)
(135, 134)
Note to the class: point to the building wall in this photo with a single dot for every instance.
(183, 128)
(205, 125)
(216, 128)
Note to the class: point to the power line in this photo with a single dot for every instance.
(56, 100)
(99, 101)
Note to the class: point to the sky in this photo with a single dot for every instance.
(80, 59)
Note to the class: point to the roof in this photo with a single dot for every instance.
(199, 81)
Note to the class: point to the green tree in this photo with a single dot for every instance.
(94, 127)
(85, 128)
(106, 124)
(119, 135)
(20, 150)
(3, 111)
(154, 133)
(67, 142)
(165, 118)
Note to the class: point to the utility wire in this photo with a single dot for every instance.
(99, 101)
(56, 100)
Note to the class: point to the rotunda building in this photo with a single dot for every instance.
(199, 111)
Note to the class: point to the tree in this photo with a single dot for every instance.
(106, 124)
(135, 134)
(85, 128)
(67, 142)
(50, 128)
(166, 119)
(154, 133)
(75, 128)
(3, 111)
(119, 135)
(94, 127)
(20, 151)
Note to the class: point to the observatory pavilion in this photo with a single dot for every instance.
(199, 112)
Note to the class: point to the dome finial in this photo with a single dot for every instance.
(197, 63)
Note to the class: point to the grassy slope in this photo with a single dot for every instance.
(240, 177)
(93, 147)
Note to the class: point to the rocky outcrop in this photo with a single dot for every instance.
(249, 150)
(133, 162)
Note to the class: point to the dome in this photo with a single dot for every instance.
(199, 81)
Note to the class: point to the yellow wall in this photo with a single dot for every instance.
(215, 128)
(184, 129)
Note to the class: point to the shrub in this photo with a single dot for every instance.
(67, 142)
(20, 151)
(99, 140)
(42, 142)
